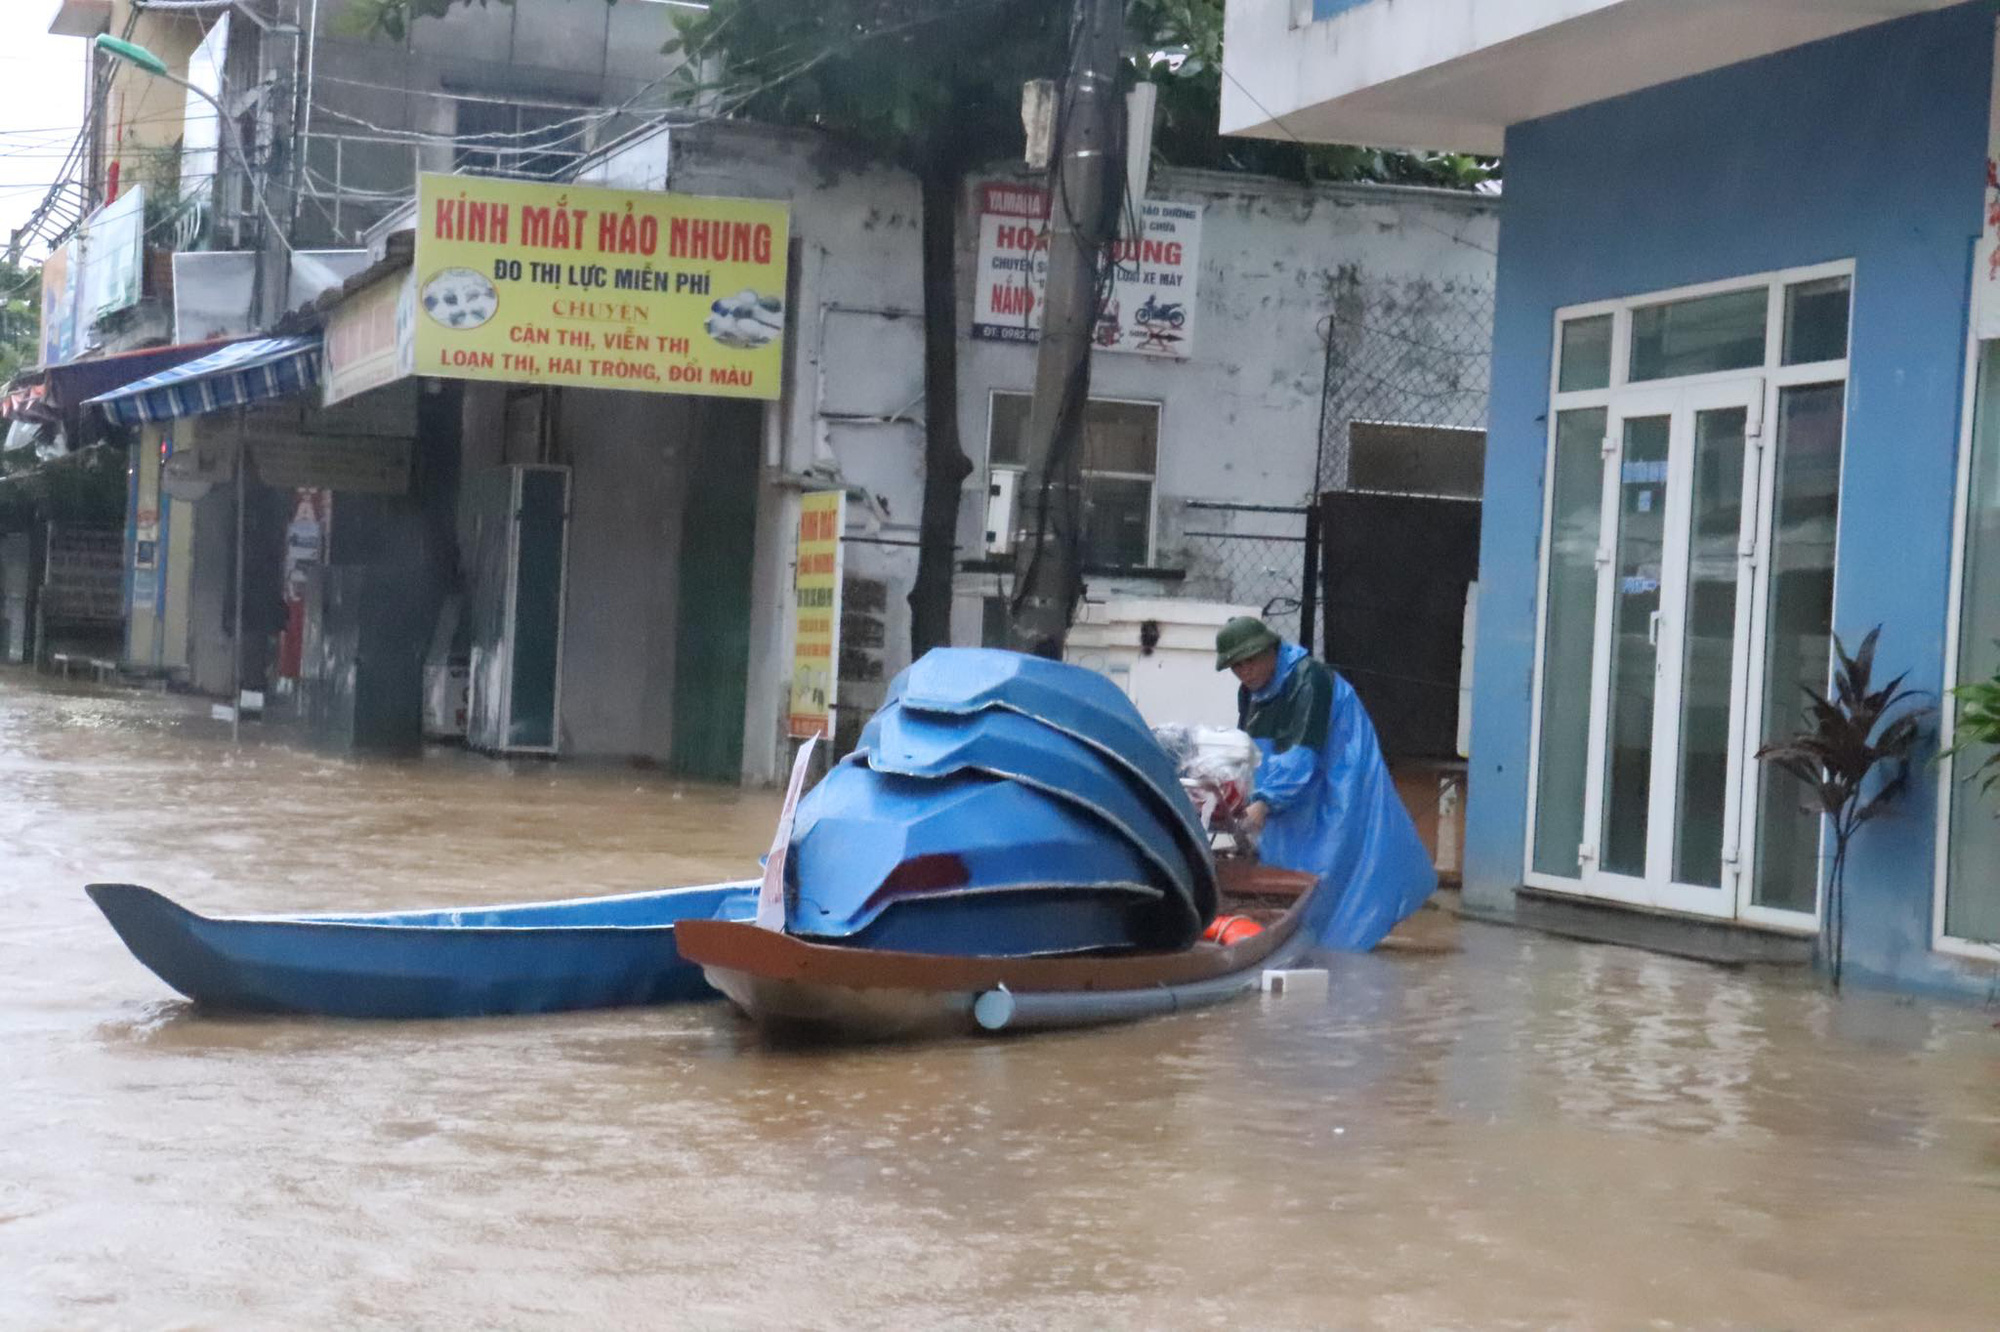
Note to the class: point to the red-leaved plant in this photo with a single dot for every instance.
(1849, 734)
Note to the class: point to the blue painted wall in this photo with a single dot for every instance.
(1869, 146)
(1326, 9)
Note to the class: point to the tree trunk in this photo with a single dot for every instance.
(945, 463)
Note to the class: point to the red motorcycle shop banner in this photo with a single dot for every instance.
(1151, 311)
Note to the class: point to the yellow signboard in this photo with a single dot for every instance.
(816, 631)
(531, 283)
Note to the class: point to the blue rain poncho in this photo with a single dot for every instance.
(1334, 810)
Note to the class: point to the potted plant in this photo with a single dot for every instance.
(1850, 734)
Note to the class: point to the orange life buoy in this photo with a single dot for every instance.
(1231, 930)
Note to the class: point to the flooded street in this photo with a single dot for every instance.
(1517, 1132)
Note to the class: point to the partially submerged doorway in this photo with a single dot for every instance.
(718, 548)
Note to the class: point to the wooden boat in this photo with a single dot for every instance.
(533, 957)
(788, 984)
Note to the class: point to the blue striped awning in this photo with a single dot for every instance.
(235, 376)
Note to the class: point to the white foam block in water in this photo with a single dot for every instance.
(1307, 982)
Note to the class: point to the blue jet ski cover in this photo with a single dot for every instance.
(1071, 699)
(865, 841)
(1008, 744)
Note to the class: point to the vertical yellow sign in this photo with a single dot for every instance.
(816, 630)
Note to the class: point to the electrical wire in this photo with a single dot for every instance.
(735, 97)
(335, 190)
(482, 138)
(448, 95)
(56, 132)
(590, 116)
(579, 125)
(538, 138)
(732, 98)
(566, 139)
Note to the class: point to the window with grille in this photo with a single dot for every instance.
(1121, 440)
(502, 139)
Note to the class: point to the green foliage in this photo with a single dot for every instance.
(1978, 727)
(1850, 735)
(917, 81)
(934, 85)
(1178, 45)
(392, 18)
(159, 170)
(20, 318)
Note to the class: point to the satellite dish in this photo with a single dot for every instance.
(192, 473)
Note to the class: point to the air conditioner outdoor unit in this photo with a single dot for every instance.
(1001, 489)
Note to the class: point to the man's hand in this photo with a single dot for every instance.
(1253, 817)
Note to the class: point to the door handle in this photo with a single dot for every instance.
(1653, 630)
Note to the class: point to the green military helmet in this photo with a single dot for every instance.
(1241, 639)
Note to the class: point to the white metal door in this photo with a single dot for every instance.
(1673, 657)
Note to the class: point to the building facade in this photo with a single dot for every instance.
(1226, 447)
(673, 643)
(1741, 405)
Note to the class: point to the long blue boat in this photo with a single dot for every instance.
(535, 957)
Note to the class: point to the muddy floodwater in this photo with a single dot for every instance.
(1512, 1131)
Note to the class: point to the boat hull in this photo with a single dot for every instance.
(1031, 921)
(804, 1010)
(424, 964)
(796, 987)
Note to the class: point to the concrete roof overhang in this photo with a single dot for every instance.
(1454, 74)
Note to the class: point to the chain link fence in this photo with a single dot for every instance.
(1402, 461)
(1402, 412)
(1409, 366)
(1253, 555)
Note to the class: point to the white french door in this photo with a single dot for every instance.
(1673, 655)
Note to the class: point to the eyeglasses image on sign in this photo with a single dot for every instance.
(460, 298)
(746, 319)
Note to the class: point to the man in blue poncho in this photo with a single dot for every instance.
(1323, 801)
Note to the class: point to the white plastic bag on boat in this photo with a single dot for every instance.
(1218, 770)
(1178, 741)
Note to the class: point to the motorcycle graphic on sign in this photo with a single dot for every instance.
(1158, 324)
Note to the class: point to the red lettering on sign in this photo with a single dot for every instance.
(714, 238)
(1012, 300)
(479, 223)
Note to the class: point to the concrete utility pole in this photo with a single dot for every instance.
(1085, 191)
